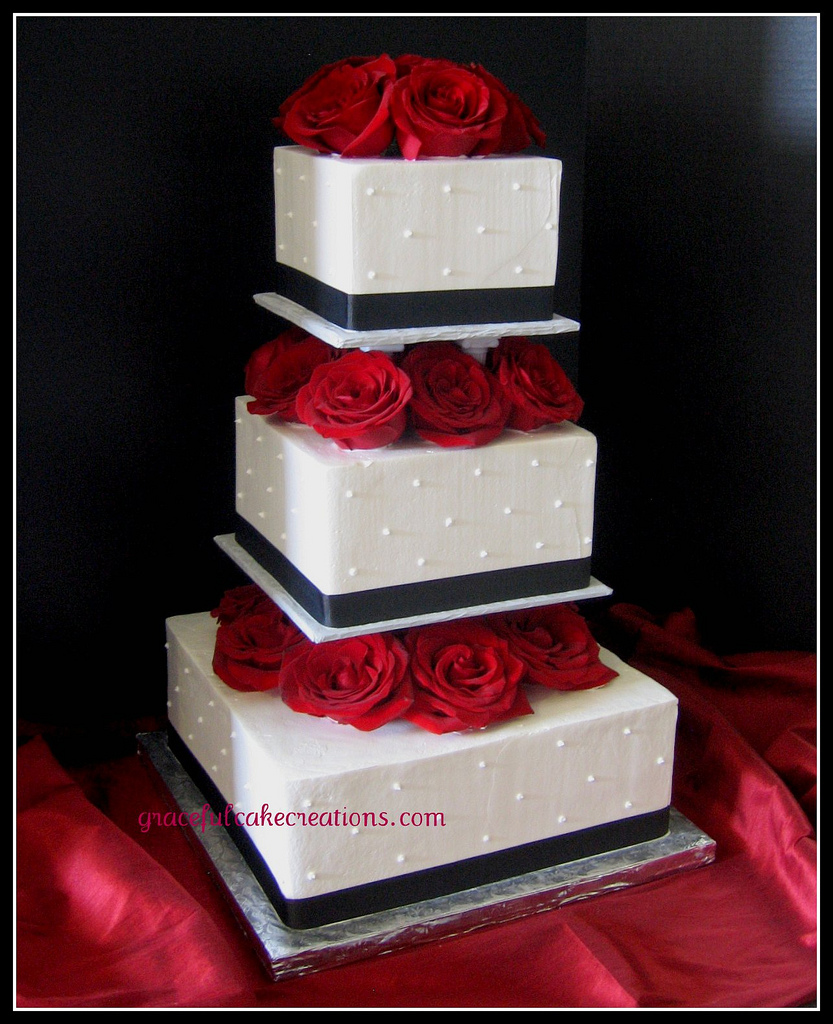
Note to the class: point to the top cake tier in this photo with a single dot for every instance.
(370, 244)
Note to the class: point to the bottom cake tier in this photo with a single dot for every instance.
(336, 823)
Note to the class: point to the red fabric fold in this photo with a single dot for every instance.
(111, 916)
(100, 923)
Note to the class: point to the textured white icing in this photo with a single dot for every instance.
(497, 788)
(379, 226)
(415, 511)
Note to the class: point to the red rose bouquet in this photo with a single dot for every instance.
(360, 400)
(356, 106)
(456, 401)
(539, 390)
(277, 371)
(361, 682)
(556, 646)
(465, 677)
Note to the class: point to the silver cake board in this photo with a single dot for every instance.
(285, 952)
(474, 336)
(319, 632)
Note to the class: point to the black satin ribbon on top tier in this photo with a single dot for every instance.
(414, 309)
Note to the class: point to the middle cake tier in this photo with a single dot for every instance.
(412, 529)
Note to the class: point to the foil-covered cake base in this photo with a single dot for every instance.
(285, 952)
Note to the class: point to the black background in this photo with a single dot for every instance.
(144, 227)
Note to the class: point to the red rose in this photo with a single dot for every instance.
(456, 402)
(520, 128)
(361, 682)
(465, 677)
(360, 400)
(249, 650)
(539, 390)
(557, 647)
(277, 371)
(343, 108)
(241, 601)
(444, 109)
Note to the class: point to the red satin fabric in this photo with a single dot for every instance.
(111, 916)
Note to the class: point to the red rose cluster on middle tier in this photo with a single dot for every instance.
(364, 400)
(445, 677)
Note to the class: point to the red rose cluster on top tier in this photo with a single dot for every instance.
(358, 106)
(365, 400)
(446, 677)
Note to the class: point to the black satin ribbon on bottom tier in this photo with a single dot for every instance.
(431, 883)
(414, 309)
(411, 599)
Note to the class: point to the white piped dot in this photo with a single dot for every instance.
(481, 764)
(446, 271)
(628, 803)
(549, 226)
(400, 858)
(352, 571)
(589, 462)
(307, 803)
(354, 831)
(224, 752)
(626, 731)
(588, 540)
(370, 191)
(417, 482)
(302, 177)
(484, 553)
(560, 743)
(660, 760)
(283, 536)
(449, 521)
(557, 503)
(481, 230)
(310, 876)
(535, 462)
(281, 246)
(270, 489)
(446, 189)
(261, 515)
(407, 233)
(397, 786)
(290, 214)
(187, 671)
(348, 494)
(591, 778)
(486, 839)
(420, 561)
(305, 259)
(240, 494)
(170, 705)
(519, 796)
(385, 531)
(190, 735)
(248, 471)
(280, 456)
(371, 274)
(315, 223)
(176, 689)
(561, 819)
(519, 269)
(538, 545)
(507, 511)
(478, 471)
(516, 186)
(232, 735)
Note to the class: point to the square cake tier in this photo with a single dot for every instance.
(338, 823)
(385, 243)
(363, 536)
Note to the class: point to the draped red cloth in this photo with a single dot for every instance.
(111, 916)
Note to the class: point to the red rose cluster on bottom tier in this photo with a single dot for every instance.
(445, 677)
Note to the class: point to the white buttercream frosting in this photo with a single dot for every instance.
(376, 226)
